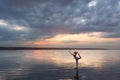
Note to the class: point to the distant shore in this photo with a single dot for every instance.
(42, 48)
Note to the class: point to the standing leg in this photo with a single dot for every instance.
(76, 76)
(77, 63)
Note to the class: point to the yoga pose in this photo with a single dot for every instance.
(76, 56)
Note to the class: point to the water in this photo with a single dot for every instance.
(59, 65)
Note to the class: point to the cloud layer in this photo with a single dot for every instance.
(41, 19)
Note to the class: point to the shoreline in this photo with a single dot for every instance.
(42, 48)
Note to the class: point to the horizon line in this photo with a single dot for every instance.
(49, 48)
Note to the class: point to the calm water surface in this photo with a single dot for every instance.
(59, 65)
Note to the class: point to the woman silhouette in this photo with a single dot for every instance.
(76, 56)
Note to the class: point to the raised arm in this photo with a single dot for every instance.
(71, 53)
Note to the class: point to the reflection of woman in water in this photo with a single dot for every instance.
(76, 56)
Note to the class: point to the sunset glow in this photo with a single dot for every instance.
(62, 23)
(86, 61)
(72, 40)
(88, 37)
(59, 39)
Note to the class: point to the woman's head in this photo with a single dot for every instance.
(75, 52)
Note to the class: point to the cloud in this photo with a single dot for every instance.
(112, 35)
(47, 18)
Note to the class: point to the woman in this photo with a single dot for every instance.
(76, 56)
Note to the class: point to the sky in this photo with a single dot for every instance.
(60, 23)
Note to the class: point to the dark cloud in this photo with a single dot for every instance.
(112, 35)
(47, 18)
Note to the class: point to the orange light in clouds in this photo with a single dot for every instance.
(40, 43)
(86, 37)
(43, 42)
(74, 39)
